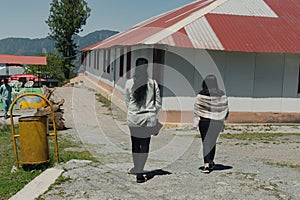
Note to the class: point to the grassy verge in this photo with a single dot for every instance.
(256, 136)
(11, 183)
(106, 103)
(113, 110)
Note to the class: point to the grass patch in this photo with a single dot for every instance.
(60, 180)
(241, 175)
(11, 183)
(256, 136)
(104, 101)
(65, 155)
(284, 165)
(273, 189)
(114, 110)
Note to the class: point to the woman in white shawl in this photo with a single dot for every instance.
(210, 112)
(142, 97)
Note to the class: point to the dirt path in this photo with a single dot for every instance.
(246, 169)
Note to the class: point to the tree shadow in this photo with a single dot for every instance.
(156, 172)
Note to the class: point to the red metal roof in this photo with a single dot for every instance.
(22, 60)
(232, 25)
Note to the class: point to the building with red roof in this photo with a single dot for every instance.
(252, 46)
(12, 62)
(10, 59)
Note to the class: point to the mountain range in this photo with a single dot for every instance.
(32, 47)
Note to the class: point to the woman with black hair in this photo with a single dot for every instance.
(210, 112)
(142, 97)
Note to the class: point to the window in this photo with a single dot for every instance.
(128, 63)
(90, 57)
(158, 60)
(104, 60)
(98, 55)
(299, 80)
(83, 58)
(108, 61)
(95, 59)
(121, 72)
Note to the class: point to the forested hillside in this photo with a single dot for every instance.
(31, 47)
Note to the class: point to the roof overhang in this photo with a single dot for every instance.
(10, 59)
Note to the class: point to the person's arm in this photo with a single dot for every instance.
(127, 94)
(196, 117)
(157, 97)
(227, 114)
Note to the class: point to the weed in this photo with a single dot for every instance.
(284, 165)
(256, 136)
(61, 180)
(106, 103)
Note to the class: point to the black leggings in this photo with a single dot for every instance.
(209, 130)
(140, 145)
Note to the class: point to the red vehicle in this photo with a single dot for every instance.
(27, 77)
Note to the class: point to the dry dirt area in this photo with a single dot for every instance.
(253, 161)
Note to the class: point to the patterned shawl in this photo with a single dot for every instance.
(211, 107)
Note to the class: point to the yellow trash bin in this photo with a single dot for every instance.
(33, 132)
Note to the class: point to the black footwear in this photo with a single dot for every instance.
(6, 117)
(211, 166)
(206, 170)
(140, 178)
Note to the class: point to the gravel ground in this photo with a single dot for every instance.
(267, 168)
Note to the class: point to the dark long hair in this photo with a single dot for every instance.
(140, 81)
(210, 86)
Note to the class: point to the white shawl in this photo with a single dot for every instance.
(211, 107)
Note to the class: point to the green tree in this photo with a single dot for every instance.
(66, 19)
(53, 69)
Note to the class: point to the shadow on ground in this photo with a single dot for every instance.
(156, 172)
(219, 167)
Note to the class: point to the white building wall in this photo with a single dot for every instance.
(261, 82)
(254, 82)
(268, 78)
(290, 78)
(183, 74)
(239, 74)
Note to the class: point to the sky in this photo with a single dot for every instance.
(26, 18)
